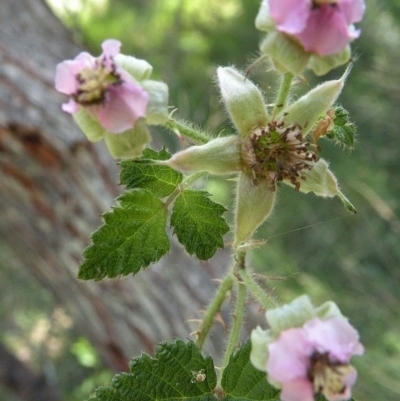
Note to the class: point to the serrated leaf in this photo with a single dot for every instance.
(343, 131)
(141, 173)
(177, 372)
(132, 237)
(242, 381)
(198, 223)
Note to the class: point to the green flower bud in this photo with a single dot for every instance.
(253, 205)
(219, 156)
(243, 100)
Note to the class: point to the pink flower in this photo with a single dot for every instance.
(314, 359)
(323, 27)
(103, 88)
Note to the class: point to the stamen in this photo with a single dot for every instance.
(94, 82)
(328, 378)
(275, 153)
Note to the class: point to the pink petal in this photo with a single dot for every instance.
(65, 80)
(111, 47)
(352, 10)
(326, 31)
(124, 105)
(70, 107)
(289, 356)
(335, 336)
(67, 71)
(297, 390)
(290, 16)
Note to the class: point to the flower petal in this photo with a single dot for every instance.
(290, 16)
(124, 105)
(111, 47)
(289, 356)
(335, 336)
(297, 390)
(352, 10)
(326, 31)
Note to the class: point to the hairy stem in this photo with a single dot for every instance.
(213, 309)
(256, 291)
(237, 323)
(238, 314)
(182, 128)
(283, 93)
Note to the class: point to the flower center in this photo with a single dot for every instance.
(318, 3)
(328, 378)
(275, 153)
(94, 82)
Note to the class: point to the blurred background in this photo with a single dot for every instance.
(314, 246)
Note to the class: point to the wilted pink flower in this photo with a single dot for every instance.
(314, 359)
(323, 27)
(103, 88)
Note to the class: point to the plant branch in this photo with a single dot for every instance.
(256, 291)
(283, 93)
(237, 324)
(182, 128)
(213, 309)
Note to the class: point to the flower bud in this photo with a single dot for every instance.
(219, 156)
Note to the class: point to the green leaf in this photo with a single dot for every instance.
(132, 237)
(198, 223)
(242, 381)
(343, 131)
(177, 372)
(141, 173)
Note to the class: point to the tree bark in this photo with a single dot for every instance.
(54, 187)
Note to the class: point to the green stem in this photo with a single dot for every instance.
(238, 314)
(184, 184)
(184, 129)
(237, 323)
(256, 291)
(213, 309)
(283, 93)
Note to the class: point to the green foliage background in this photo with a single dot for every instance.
(353, 260)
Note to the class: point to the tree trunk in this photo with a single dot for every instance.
(54, 187)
